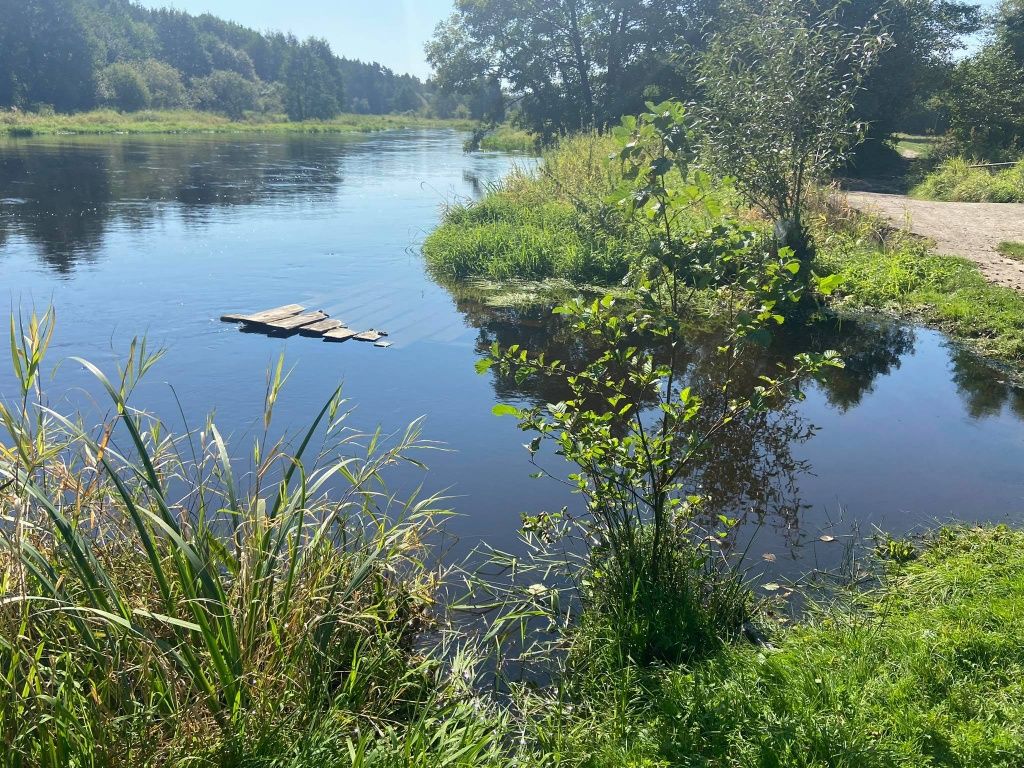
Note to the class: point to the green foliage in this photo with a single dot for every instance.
(313, 82)
(122, 87)
(75, 55)
(957, 180)
(635, 427)
(573, 64)
(505, 138)
(156, 607)
(986, 96)
(225, 92)
(778, 101)
(164, 83)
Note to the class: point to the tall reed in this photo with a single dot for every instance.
(156, 602)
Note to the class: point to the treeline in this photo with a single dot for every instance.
(983, 103)
(572, 64)
(73, 55)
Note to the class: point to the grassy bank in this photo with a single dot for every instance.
(901, 276)
(505, 138)
(106, 121)
(957, 181)
(923, 670)
(536, 225)
(555, 224)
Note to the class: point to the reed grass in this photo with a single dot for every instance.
(505, 138)
(158, 606)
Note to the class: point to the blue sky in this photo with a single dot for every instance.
(389, 31)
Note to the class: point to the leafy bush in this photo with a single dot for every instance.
(225, 92)
(123, 87)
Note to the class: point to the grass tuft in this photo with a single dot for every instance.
(1012, 250)
(956, 181)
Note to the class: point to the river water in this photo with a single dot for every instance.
(160, 236)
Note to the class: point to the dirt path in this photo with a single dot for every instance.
(972, 230)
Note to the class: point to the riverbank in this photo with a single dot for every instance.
(922, 669)
(545, 225)
(105, 121)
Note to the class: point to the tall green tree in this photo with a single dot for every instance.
(313, 82)
(47, 55)
(777, 109)
(986, 98)
(570, 64)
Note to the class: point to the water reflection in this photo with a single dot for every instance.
(985, 393)
(753, 471)
(64, 197)
(910, 432)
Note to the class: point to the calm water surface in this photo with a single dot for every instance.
(160, 236)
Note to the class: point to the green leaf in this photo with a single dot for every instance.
(502, 409)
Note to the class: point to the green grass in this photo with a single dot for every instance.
(956, 181)
(105, 121)
(505, 138)
(924, 670)
(912, 146)
(533, 226)
(903, 277)
(1012, 250)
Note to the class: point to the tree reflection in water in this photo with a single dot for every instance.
(64, 197)
(750, 472)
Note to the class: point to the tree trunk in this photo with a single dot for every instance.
(582, 66)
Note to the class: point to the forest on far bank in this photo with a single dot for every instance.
(75, 55)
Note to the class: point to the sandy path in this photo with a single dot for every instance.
(972, 230)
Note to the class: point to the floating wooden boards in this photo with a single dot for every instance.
(293, 318)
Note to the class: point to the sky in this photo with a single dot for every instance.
(391, 32)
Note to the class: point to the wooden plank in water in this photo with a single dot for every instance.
(295, 321)
(319, 329)
(266, 316)
(370, 335)
(339, 334)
